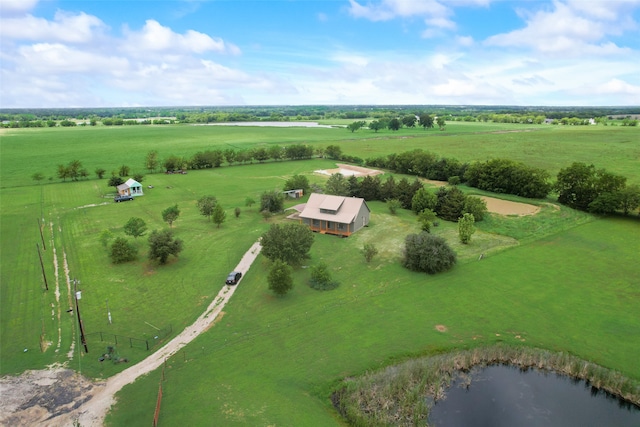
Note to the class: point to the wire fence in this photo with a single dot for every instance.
(140, 343)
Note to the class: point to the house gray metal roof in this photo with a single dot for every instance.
(347, 208)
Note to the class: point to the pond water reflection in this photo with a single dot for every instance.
(506, 396)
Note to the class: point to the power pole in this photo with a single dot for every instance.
(77, 295)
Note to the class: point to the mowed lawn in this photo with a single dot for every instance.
(561, 280)
(273, 361)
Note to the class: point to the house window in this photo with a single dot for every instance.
(316, 223)
(329, 225)
(341, 227)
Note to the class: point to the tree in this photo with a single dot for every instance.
(337, 185)
(162, 244)
(376, 125)
(297, 182)
(370, 188)
(579, 185)
(114, 181)
(321, 279)
(135, 227)
(73, 169)
(237, 212)
(441, 123)
(629, 198)
(426, 218)
(423, 199)
(38, 176)
(63, 172)
(122, 251)
(393, 205)
(287, 242)
(409, 121)
(272, 201)
(450, 203)
(475, 206)
(369, 251)
(333, 152)
(428, 253)
(219, 215)
(138, 177)
(279, 279)
(356, 125)
(151, 161)
(248, 202)
(394, 124)
(123, 170)
(466, 228)
(105, 236)
(206, 204)
(426, 121)
(388, 188)
(171, 214)
(100, 173)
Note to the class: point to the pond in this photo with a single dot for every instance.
(506, 396)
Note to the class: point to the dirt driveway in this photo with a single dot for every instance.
(61, 397)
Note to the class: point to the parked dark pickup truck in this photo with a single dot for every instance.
(122, 198)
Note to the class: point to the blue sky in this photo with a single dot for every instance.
(57, 53)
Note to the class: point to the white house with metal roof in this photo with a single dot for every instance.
(337, 215)
(130, 188)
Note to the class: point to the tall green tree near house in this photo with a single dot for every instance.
(114, 181)
(287, 242)
(337, 185)
(279, 279)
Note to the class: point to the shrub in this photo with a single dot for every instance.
(321, 278)
(122, 251)
(428, 253)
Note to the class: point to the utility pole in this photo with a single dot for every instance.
(78, 295)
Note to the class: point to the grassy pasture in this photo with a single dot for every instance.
(27, 151)
(566, 281)
(268, 354)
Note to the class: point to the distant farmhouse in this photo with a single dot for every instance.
(337, 215)
(130, 188)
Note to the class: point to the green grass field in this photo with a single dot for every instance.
(561, 280)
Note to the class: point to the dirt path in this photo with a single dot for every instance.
(89, 403)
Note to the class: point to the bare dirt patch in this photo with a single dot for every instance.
(40, 397)
(505, 207)
(350, 170)
(441, 328)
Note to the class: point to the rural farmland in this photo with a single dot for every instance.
(546, 276)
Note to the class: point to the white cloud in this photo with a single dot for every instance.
(154, 37)
(65, 27)
(576, 28)
(10, 7)
(57, 58)
(390, 9)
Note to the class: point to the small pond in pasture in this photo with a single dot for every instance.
(507, 396)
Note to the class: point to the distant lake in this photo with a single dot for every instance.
(272, 124)
(506, 396)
